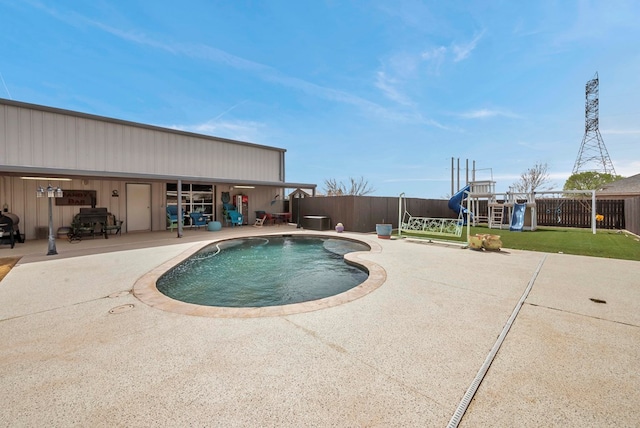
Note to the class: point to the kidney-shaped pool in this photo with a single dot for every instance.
(264, 271)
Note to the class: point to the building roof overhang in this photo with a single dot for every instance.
(114, 175)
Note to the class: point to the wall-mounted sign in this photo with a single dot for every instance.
(77, 197)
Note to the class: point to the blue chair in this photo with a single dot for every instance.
(172, 216)
(233, 217)
(198, 219)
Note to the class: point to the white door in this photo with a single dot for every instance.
(138, 207)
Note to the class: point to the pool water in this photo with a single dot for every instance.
(264, 271)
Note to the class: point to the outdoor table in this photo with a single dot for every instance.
(281, 217)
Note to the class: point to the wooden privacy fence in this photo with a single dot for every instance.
(632, 215)
(362, 213)
(566, 212)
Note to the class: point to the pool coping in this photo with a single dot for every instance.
(146, 291)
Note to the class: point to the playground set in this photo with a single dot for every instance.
(478, 203)
(520, 208)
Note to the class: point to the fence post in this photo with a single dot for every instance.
(593, 211)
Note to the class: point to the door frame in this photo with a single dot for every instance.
(145, 205)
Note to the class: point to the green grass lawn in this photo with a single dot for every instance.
(605, 243)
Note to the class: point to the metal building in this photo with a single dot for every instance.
(134, 170)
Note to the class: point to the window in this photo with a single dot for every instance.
(195, 197)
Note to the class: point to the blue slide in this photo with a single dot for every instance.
(455, 203)
(517, 218)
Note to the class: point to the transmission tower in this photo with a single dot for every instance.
(593, 155)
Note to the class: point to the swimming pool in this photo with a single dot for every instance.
(145, 288)
(265, 271)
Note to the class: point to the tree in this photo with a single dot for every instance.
(534, 178)
(332, 188)
(356, 187)
(589, 180)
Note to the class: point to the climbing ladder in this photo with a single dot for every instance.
(496, 216)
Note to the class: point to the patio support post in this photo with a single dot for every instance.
(400, 214)
(180, 217)
(51, 250)
(468, 211)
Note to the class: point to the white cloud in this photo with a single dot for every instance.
(404, 65)
(593, 20)
(262, 71)
(388, 86)
(435, 53)
(235, 130)
(487, 113)
(436, 56)
(626, 167)
(531, 146)
(462, 51)
(620, 131)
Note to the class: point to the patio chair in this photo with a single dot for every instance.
(198, 219)
(264, 218)
(260, 221)
(80, 227)
(233, 217)
(113, 225)
(172, 216)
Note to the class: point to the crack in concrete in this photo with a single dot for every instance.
(583, 315)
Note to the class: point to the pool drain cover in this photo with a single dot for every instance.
(121, 308)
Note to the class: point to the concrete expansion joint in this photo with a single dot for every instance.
(475, 384)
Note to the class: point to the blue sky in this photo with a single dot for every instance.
(385, 90)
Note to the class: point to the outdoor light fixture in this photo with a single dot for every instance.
(46, 178)
(244, 187)
(50, 192)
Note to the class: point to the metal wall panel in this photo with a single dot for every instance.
(48, 139)
(20, 197)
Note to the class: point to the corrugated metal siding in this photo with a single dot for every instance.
(37, 138)
(20, 196)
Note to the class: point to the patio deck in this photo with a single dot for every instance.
(79, 349)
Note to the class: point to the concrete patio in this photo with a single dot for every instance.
(79, 349)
